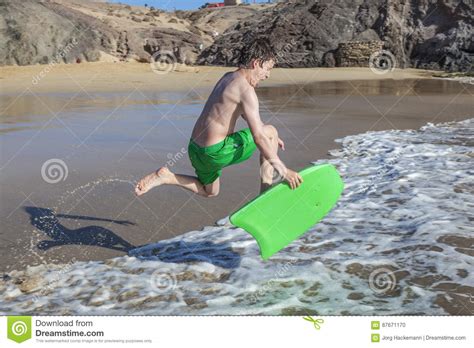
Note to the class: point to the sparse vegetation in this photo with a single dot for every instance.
(194, 30)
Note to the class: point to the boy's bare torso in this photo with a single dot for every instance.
(221, 111)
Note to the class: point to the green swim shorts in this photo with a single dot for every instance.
(208, 161)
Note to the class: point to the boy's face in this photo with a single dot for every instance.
(263, 72)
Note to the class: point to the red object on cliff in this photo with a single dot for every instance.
(215, 4)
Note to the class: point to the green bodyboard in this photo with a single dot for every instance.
(280, 215)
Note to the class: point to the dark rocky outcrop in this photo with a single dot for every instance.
(42, 32)
(46, 31)
(432, 34)
(182, 45)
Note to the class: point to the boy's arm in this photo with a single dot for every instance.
(251, 114)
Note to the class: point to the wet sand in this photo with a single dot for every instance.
(119, 76)
(111, 128)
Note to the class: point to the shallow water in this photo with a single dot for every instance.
(399, 241)
(107, 141)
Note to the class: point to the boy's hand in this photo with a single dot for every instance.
(281, 144)
(293, 178)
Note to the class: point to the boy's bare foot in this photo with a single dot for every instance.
(157, 178)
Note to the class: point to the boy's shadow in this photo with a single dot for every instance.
(47, 222)
(180, 251)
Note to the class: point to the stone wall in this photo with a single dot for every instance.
(232, 2)
(356, 53)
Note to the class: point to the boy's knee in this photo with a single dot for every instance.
(270, 130)
(211, 191)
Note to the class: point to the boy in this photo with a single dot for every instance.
(214, 144)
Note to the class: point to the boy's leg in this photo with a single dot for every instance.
(266, 169)
(164, 176)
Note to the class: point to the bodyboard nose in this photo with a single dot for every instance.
(280, 215)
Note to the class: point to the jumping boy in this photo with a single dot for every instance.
(214, 144)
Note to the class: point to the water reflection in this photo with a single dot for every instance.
(367, 88)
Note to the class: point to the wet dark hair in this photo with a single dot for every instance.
(260, 49)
